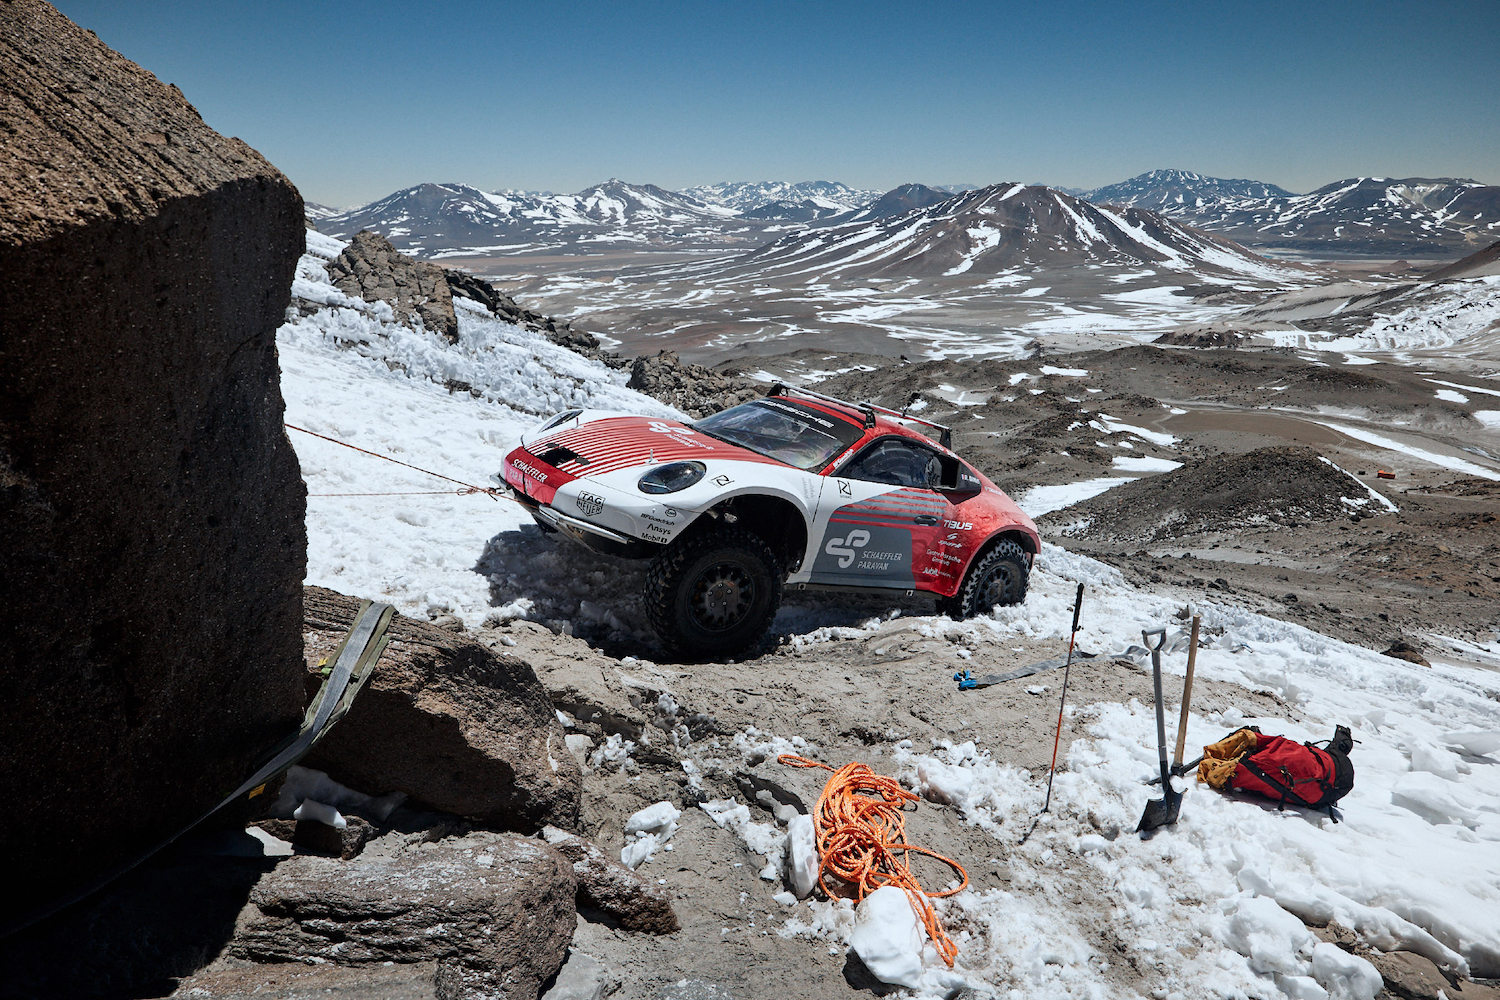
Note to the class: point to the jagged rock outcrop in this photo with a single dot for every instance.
(374, 270)
(495, 912)
(693, 389)
(449, 723)
(608, 886)
(151, 507)
(560, 332)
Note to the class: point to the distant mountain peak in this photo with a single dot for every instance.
(1411, 216)
(749, 196)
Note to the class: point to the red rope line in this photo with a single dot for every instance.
(494, 493)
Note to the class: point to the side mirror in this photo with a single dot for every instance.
(958, 480)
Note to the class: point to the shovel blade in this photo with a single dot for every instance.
(1160, 812)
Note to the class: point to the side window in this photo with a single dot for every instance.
(896, 463)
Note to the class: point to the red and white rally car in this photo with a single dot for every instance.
(796, 489)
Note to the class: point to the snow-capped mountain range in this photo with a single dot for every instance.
(749, 196)
(992, 230)
(441, 220)
(1414, 217)
(1363, 215)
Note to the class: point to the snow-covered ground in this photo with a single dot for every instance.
(1211, 906)
(418, 551)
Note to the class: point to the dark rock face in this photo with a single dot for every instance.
(151, 507)
(167, 918)
(694, 389)
(449, 723)
(607, 885)
(374, 270)
(495, 912)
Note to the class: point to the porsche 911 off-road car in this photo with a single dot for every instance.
(796, 489)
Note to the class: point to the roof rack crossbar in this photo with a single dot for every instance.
(869, 408)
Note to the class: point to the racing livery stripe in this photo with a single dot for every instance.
(905, 525)
(620, 442)
(922, 508)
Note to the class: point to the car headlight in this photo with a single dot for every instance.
(560, 418)
(672, 477)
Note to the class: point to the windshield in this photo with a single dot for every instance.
(784, 430)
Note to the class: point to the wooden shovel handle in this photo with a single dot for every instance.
(1187, 694)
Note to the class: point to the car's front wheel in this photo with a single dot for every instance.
(998, 577)
(714, 592)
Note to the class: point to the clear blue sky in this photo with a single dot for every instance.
(355, 100)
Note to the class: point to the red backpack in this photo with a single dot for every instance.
(1303, 774)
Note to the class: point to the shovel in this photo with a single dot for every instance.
(1162, 811)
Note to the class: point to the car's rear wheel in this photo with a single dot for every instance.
(999, 576)
(714, 592)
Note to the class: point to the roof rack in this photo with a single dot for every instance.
(869, 409)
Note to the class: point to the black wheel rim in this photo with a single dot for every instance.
(721, 596)
(997, 587)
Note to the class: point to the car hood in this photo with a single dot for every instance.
(591, 447)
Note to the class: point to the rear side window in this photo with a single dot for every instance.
(896, 462)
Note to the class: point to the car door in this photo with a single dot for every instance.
(883, 518)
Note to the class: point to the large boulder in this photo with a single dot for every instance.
(151, 507)
(495, 912)
(448, 722)
(372, 269)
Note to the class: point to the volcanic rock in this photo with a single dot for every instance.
(374, 270)
(151, 508)
(495, 912)
(1278, 485)
(345, 842)
(560, 332)
(1202, 337)
(448, 722)
(694, 389)
(607, 885)
(1403, 650)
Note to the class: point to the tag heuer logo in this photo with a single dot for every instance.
(589, 505)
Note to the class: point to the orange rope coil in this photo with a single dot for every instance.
(860, 828)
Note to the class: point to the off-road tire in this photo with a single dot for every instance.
(999, 576)
(697, 577)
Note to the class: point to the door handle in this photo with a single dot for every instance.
(925, 519)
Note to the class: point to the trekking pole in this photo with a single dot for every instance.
(1187, 696)
(1067, 667)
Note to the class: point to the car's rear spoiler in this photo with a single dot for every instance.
(868, 409)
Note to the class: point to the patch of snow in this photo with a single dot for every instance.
(1145, 463)
(1041, 500)
(1422, 454)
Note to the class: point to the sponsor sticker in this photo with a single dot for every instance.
(536, 474)
(589, 504)
(852, 547)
